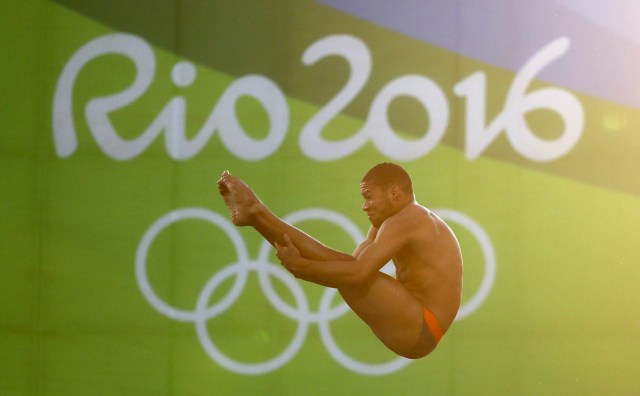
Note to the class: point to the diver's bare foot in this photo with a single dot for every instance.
(239, 198)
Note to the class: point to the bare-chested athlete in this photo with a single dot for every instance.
(408, 314)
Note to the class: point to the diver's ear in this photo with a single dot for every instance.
(394, 191)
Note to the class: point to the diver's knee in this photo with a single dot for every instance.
(418, 351)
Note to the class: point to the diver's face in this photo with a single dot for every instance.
(377, 203)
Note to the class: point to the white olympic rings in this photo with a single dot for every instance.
(265, 269)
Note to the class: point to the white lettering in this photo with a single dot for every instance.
(64, 131)
(562, 102)
(430, 96)
(233, 136)
(517, 104)
(357, 55)
(172, 117)
(377, 129)
(377, 125)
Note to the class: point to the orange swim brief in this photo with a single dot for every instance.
(433, 325)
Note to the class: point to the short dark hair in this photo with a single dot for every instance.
(388, 174)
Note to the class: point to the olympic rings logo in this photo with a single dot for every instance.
(265, 270)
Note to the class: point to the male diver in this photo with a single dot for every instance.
(409, 313)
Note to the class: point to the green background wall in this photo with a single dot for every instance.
(550, 241)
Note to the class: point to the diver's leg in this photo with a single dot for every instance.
(392, 313)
